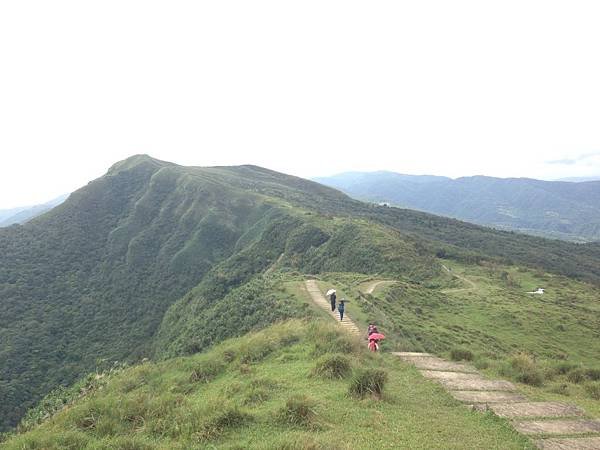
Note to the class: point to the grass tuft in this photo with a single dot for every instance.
(577, 375)
(461, 354)
(561, 389)
(333, 366)
(593, 389)
(593, 374)
(298, 410)
(368, 382)
(523, 368)
(229, 418)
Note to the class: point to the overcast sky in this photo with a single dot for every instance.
(454, 88)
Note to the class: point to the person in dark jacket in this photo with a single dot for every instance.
(332, 297)
(341, 308)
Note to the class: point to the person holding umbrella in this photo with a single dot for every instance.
(332, 297)
(374, 339)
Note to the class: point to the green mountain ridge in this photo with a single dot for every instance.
(159, 260)
(555, 209)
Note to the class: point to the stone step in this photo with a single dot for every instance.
(487, 397)
(445, 375)
(477, 384)
(435, 363)
(592, 443)
(403, 355)
(535, 409)
(573, 426)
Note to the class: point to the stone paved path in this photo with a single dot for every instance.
(541, 419)
(317, 296)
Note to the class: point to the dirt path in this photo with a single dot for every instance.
(370, 288)
(472, 285)
(319, 299)
(542, 421)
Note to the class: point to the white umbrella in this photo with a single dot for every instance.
(330, 291)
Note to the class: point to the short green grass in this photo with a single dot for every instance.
(261, 391)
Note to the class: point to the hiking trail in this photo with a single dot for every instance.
(538, 420)
(551, 425)
(370, 288)
(318, 298)
(472, 284)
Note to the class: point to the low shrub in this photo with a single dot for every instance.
(482, 363)
(523, 369)
(593, 374)
(593, 390)
(577, 375)
(333, 366)
(368, 382)
(299, 410)
(562, 389)
(461, 354)
(563, 368)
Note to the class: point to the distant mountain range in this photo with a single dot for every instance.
(25, 213)
(554, 209)
(580, 179)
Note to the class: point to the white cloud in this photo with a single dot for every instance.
(310, 88)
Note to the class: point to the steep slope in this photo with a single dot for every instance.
(548, 208)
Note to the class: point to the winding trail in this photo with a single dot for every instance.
(370, 288)
(472, 285)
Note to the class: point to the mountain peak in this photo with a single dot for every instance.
(136, 161)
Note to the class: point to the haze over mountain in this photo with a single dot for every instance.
(554, 209)
(25, 213)
(159, 260)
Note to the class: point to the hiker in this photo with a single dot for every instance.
(341, 308)
(374, 338)
(372, 329)
(332, 297)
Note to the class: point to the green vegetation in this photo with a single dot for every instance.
(523, 368)
(553, 209)
(549, 344)
(461, 354)
(161, 405)
(368, 382)
(333, 366)
(156, 260)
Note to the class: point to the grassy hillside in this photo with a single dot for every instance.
(549, 344)
(291, 386)
(553, 209)
(93, 279)
(158, 260)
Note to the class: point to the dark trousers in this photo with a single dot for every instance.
(341, 314)
(333, 305)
